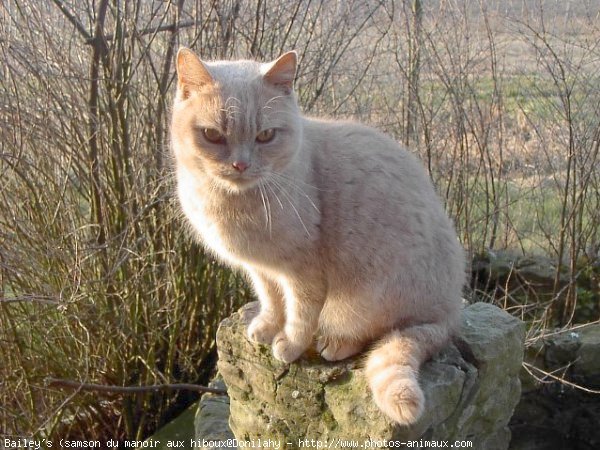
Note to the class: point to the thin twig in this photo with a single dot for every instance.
(528, 368)
(71, 18)
(64, 403)
(564, 330)
(170, 27)
(57, 382)
(30, 298)
(91, 40)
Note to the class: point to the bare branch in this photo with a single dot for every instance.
(173, 27)
(529, 367)
(57, 382)
(31, 298)
(71, 18)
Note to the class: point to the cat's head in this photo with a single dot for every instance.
(235, 122)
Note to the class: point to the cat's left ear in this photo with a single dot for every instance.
(191, 73)
(282, 71)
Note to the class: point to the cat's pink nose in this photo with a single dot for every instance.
(240, 166)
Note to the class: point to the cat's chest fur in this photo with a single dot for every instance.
(253, 229)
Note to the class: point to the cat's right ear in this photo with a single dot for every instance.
(282, 71)
(191, 73)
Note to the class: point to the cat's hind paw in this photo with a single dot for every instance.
(336, 350)
(285, 350)
(262, 330)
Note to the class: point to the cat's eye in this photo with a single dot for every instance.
(265, 135)
(212, 135)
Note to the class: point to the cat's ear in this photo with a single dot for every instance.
(191, 73)
(282, 71)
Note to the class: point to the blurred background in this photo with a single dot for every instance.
(101, 282)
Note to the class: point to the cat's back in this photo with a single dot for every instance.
(379, 206)
(360, 162)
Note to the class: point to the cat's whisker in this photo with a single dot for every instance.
(272, 99)
(266, 205)
(232, 99)
(231, 110)
(262, 197)
(270, 215)
(295, 195)
(298, 181)
(289, 199)
(290, 182)
(268, 186)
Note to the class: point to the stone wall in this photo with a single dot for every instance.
(554, 415)
(471, 389)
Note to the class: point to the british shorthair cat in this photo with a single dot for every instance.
(338, 227)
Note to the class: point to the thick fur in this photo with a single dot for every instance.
(337, 226)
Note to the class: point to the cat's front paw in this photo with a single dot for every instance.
(285, 350)
(336, 350)
(263, 329)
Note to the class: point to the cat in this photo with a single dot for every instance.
(338, 228)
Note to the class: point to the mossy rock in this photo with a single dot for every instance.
(471, 388)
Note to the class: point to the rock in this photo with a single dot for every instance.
(559, 349)
(179, 429)
(470, 388)
(539, 273)
(587, 362)
(579, 348)
(556, 415)
(515, 273)
(210, 422)
(535, 355)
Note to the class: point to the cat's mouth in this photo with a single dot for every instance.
(240, 181)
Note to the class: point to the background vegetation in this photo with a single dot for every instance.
(99, 280)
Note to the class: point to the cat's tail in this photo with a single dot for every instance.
(392, 368)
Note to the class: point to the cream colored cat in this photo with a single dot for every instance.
(338, 227)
